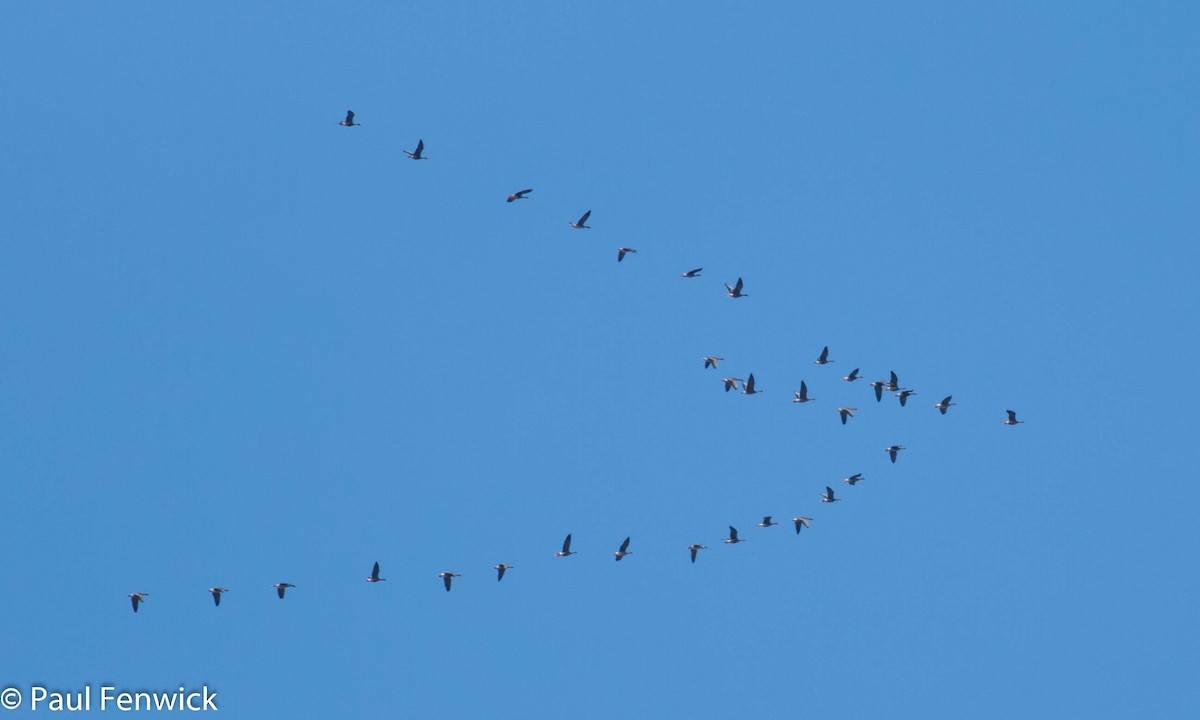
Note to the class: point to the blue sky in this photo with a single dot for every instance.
(243, 345)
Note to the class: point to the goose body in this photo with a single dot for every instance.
(519, 195)
(447, 577)
(349, 121)
(1012, 418)
(500, 570)
(566, 548)
(736, 290)
(216, 593)
(623, 551)
(846, 413)
(945, 404)
(693, 549)
(138, 598)
(281, 588)
(733, 536)
(374, 578)
(416, 154)
(802, 394)
(583, 219)
(801, 522)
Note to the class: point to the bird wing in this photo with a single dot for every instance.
(803, 390)
(524, 192)
(693, 551)
(732, 533)
(567, 543)
(749, 384)
(693, 272)
(500, 572)
(620, 254)
(738, 288)
(584, 217)
(446, 581)
(349, 117)
(878, 393)
(135, 600)
(420, 147)
(216, 598)
(824, 354)
(375, 571)
(1012, 414)
(280, 589)
(895, 380)
(625, 545)
(853, 374)
(829, 492)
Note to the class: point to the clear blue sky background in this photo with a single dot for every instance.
(243, 345)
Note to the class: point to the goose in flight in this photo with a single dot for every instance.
(878, 385)
(691, 273)
(852, 376)
(1012, 418)
(566, 548)
(893, 451)
(846, 413)
(801, 522)
(733, 538)
(621, 253)
(748, 386)
(903, 395)
(945, 404)
(416, 154)
(802, 394)
(281, 588)
(447, 577)
(216, 593)
(853, 479)
(893, 383)
(827, 496)
(732, 383)
(580, 225)
(500, 570)
(349, 121)
(375, 575)
(623, 551)
(823, 358)
(140, 597)
(736, 290)
(766, 522)
(519, 195)
(693, 549)
(711, 362)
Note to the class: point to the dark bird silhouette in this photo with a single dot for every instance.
(1012, 418)
(878, 385)
(623, 551)
(732, 383)
(711, 362)
(903, 395)
(349, 121)
(801, 522)
(828, 497)
(748, 386)
(893, 451)
(500, 570)
(846, 413)
(766, 522)
(621, 253)
(566, 548)
(416, 154)
(216, 593)
(447, 577)
(281, 588)
(823, 358)
(375, 575)
(138, 598)
(580, 225)
(693, 549)
(852, 376)
(894, 383)
(733, 538)
(945, 404)
(691, 273)
(736, 290)
(802, 394)
(853, 479)
(519, 195)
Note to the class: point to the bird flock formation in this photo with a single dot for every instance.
(746, 386)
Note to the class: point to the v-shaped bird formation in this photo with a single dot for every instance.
(746, 386)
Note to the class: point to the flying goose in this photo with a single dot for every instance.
(621, 253)
(732, 383)
(736, 290)
(711, 362)
(216, 593)
(416, 154)
(580, 225)
(281, 588)
(852, 376)
(140, 597)
(349, 121)
(878, 385)
(566, 549)
(894, 383)
(519, 195)
(823, 358)
(748, 386)
(733, 538)
(694, 549)
(766, 522)
(853, 479)
(903, 395)
(447, 577)
(893, 450)
(802, 394)
(1012, 418)
(846, 413)
(623, 551)
(375, 575)
(691, 273)
(828, 497)
(945, 404)
(500, 570)
(801, 522)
